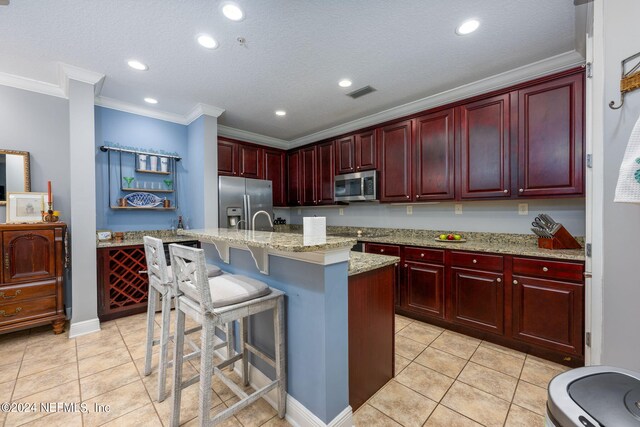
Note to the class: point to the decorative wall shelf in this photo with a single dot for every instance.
(155, 172)
(147, 190)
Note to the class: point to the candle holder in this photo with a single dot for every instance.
(48, 216)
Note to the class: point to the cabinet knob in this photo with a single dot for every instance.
(499, 280)
(475, 261)
(505, 191)
(545, 269)
(357, 167)
(381, 250)
(418, 196)
(405, 266)
(521, 190)
(422, 255)
(407, 197)
(515, 282)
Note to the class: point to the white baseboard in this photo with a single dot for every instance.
(83, 328)
(296, 414)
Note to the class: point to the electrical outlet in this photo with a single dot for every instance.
(458, 209)
(523, 209)
(409, 210)
(341, 211)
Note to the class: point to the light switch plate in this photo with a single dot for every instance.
(523, 208)
(409, 210)
(341, 211)
(458, 209)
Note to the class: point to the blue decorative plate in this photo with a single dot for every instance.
(143, 200)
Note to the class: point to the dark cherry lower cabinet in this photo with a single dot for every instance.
(423, 290)
(477, 299)
(391, 250)
(371, 333)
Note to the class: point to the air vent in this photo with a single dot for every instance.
(361, 92)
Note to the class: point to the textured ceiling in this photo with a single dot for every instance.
(295, 52)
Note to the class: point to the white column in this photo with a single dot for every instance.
(81, 85)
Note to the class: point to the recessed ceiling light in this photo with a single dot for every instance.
(281, 113)
(232, 11)
(468, 27)
(207, 41)
(137, 65)
(151, 100)
(344, 83)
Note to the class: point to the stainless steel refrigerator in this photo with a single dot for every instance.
(240, 198)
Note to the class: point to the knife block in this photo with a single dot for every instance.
(562, 239)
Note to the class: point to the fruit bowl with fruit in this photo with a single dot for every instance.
(450, 238)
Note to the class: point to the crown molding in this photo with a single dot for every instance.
(546, 66)
(71, 72)
(127, 107)
(31, 85)
(203, 110)
(256, 138)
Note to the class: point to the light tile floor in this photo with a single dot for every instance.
(442, 379)
(447, 379)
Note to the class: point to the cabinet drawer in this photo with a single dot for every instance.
(476, 260)
(378, 248)
(549, 269)
(18, 311)
(11, 294)
(423, 254)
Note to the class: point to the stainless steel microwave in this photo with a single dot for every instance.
(359, 186)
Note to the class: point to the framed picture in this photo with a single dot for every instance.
(103, 235)
(26, 207)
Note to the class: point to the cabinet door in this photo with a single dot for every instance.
(227, 158)
(477, 299)
(325, 173)
(548, 313)
(308, 174)
(484, 148)
(294, 178)
(550, 138)
(366, 151)
(395, 161)
(391, 250)
(345, 162)
(434, 153)
(423, 290)
(28, 255)
(250, 160)
(274, 171)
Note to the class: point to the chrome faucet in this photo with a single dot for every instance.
(237, 226)
(253, 220)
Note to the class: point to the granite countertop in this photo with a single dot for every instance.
(360, 262)
(286, 242)
(132, 238)
(499, 243)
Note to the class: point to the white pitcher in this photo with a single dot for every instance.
(154, 163)
(142, 162)
(164, 164)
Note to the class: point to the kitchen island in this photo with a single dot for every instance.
(313, 273)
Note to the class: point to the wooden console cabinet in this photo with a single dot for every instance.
(32, 279)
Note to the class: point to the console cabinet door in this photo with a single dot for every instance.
(423, 290)
(477, 299)
(550, 138)
(345, 162)
(325, 173)
(548, 313)
(274, 171)
(28, 255)
(294, 174)
(227, 158)
(395, 161)
(434, 156)
(308, 175)
(250, 160)
(366, 151)
(484, 148)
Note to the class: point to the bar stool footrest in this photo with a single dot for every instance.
(248, 400)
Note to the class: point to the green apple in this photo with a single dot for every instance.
(457, 237)
(443, 237)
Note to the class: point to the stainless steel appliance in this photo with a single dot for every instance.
(240, 199)
(354, 187)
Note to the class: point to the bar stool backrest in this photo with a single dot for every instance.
(156, 261)
(190, 275)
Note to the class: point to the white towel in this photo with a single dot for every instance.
(628, 188)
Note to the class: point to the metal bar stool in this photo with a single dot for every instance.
(160, 284)
(218, 301)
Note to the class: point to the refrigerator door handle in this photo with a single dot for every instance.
(244, 210)
(249, 227)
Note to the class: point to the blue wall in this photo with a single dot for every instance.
(143, 133)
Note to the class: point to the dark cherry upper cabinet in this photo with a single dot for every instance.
(29, 255)
(308, 172)
(477, 299)
(294, 178)
(325, 173)
(434, 147)
(550, 138)
(275, 171)
(549, 313)
(227, 158)
(423, 290)
(345, 159)
(484, 148)
(394, 146)
(250, 161)
(366, 151)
